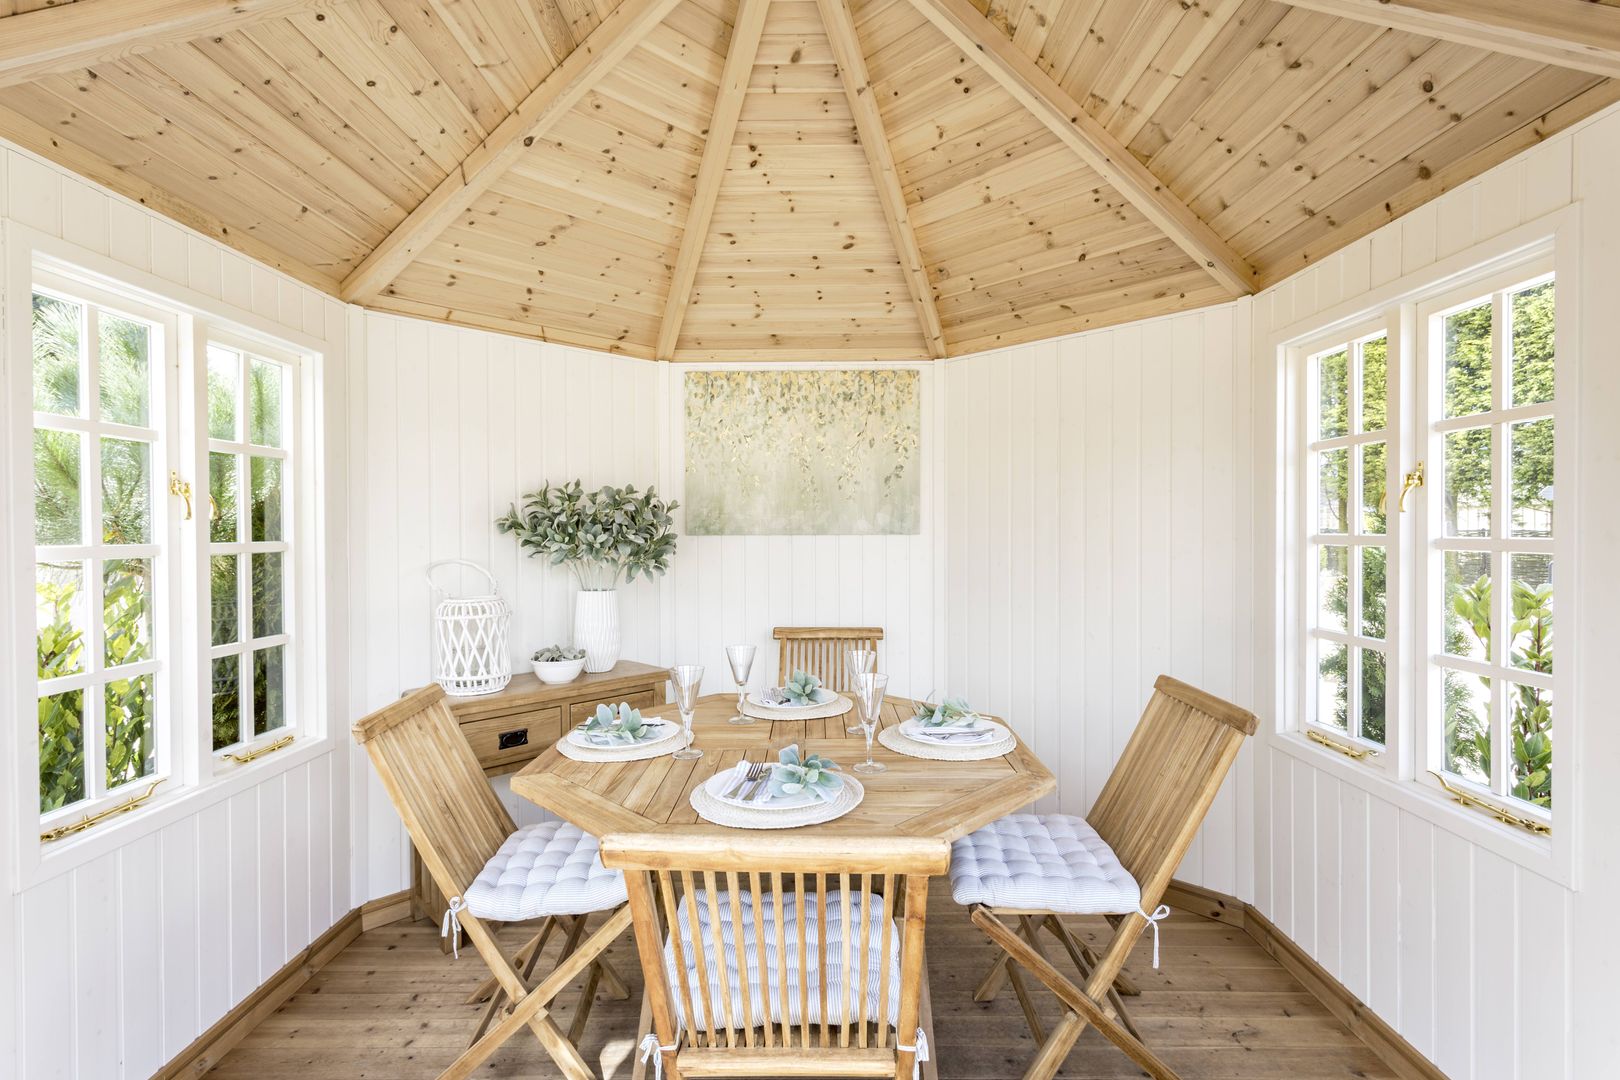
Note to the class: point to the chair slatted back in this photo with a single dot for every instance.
(437, 785)
(820, 651)
(695, 900)
(1157, 796)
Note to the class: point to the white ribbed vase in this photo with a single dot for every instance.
(596, 627)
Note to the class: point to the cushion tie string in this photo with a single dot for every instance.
(1160, 913)
(920, 1048)
(451, 926)
(651, 1049)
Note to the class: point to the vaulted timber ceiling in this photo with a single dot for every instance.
(794, 179)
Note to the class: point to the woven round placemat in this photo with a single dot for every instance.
(718, 812)
(639, 752)
(836, 707)
(904, 744)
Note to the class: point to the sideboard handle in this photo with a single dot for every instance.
(507, 740)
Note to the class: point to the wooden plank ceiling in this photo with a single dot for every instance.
(793, 179)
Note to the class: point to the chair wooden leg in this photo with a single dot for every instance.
(1055, 1049)
(991, 984)
(587, 998)
(617, 989)
(638, 1064)
(1085, 961)
(925, 1010)
(1026, 1003)
(527, 955)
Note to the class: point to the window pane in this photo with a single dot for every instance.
(269, 689)
(1530, 729)
(57, 515)
(1332, 683)
(1372, 695)
(227, 701)
(126, 492)
(1333, 395)
(1468, 361)
(1532, 645)
(264, 402)
(1333, 492)
(1468, 730)
(266, 594)
(1467, 491)
(59, 619)
(222, 490)
(1375, 384)
(131, 734)
(56, 355)
(1530, 458)
(222, 601)
(61, 750)
(1332, 586)
(224, 379)
(1374, 591)
(1374, 512)
(1468, 604)
(126, 371)
(266, 510)
(126, 601)
(1533, 345)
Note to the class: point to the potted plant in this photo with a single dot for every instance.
(558, 664)
(603, 537)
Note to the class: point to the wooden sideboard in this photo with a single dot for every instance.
(511, 727)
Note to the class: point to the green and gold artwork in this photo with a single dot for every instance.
(802, 452)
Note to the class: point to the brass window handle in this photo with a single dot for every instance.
(1414, 479)
(181, 488)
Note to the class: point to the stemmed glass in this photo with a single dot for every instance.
(688, 679)
(741, 659)
(858, 662)
(869, 688)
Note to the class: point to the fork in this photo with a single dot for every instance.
(756, 771)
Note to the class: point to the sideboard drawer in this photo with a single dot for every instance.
(580, 711)
(513, 737)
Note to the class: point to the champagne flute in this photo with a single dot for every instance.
(869, 689)
(688, 679)
(741, 659)
(858, 662)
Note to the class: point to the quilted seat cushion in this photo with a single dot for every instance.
(552, 868)
(1045, 862)
(817, 966)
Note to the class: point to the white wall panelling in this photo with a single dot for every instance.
(116, 964)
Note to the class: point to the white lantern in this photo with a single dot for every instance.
(471, 637)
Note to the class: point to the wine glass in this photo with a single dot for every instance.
(869, 688)
(858, 662)
(741, 659)
(688, 679)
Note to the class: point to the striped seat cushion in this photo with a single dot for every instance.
(830, 969)
(1042, 862)
(552, 868)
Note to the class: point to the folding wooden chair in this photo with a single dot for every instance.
(1116, 862)
(497, 873)
(782, 956)
(820, 651)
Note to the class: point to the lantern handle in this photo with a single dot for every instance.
(432, 566)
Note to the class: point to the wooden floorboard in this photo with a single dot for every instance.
(390, 1008)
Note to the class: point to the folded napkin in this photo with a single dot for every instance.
(793, 774)
(951, 713)
(620, 727)
(955, 734)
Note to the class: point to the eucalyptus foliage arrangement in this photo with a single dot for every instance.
(800, 690)
(553, 654)
(794, 773)
(952, 712)
(618, 727)
(604, 536)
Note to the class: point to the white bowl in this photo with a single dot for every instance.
(558, 671)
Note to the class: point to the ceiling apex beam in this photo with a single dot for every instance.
(851, 60)
(51, 40)
(1032, 87)
(746, 29)
(1574, 34)
(562, 88)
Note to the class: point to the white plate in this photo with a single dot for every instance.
(913, 729)
(822, 696)
(718, 785)
(671, 730)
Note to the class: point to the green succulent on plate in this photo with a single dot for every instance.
(952, 712)
(801, 688)
(793, 774)
(617, 727)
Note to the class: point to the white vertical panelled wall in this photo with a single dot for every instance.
(117, 961)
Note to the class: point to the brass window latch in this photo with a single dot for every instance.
(1414, 479)
(182, 488)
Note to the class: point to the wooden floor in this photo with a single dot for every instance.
(390, 1008)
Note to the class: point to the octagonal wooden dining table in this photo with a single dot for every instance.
(914, 796)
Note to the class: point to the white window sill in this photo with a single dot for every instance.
(42, 861)
(1546, 856)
